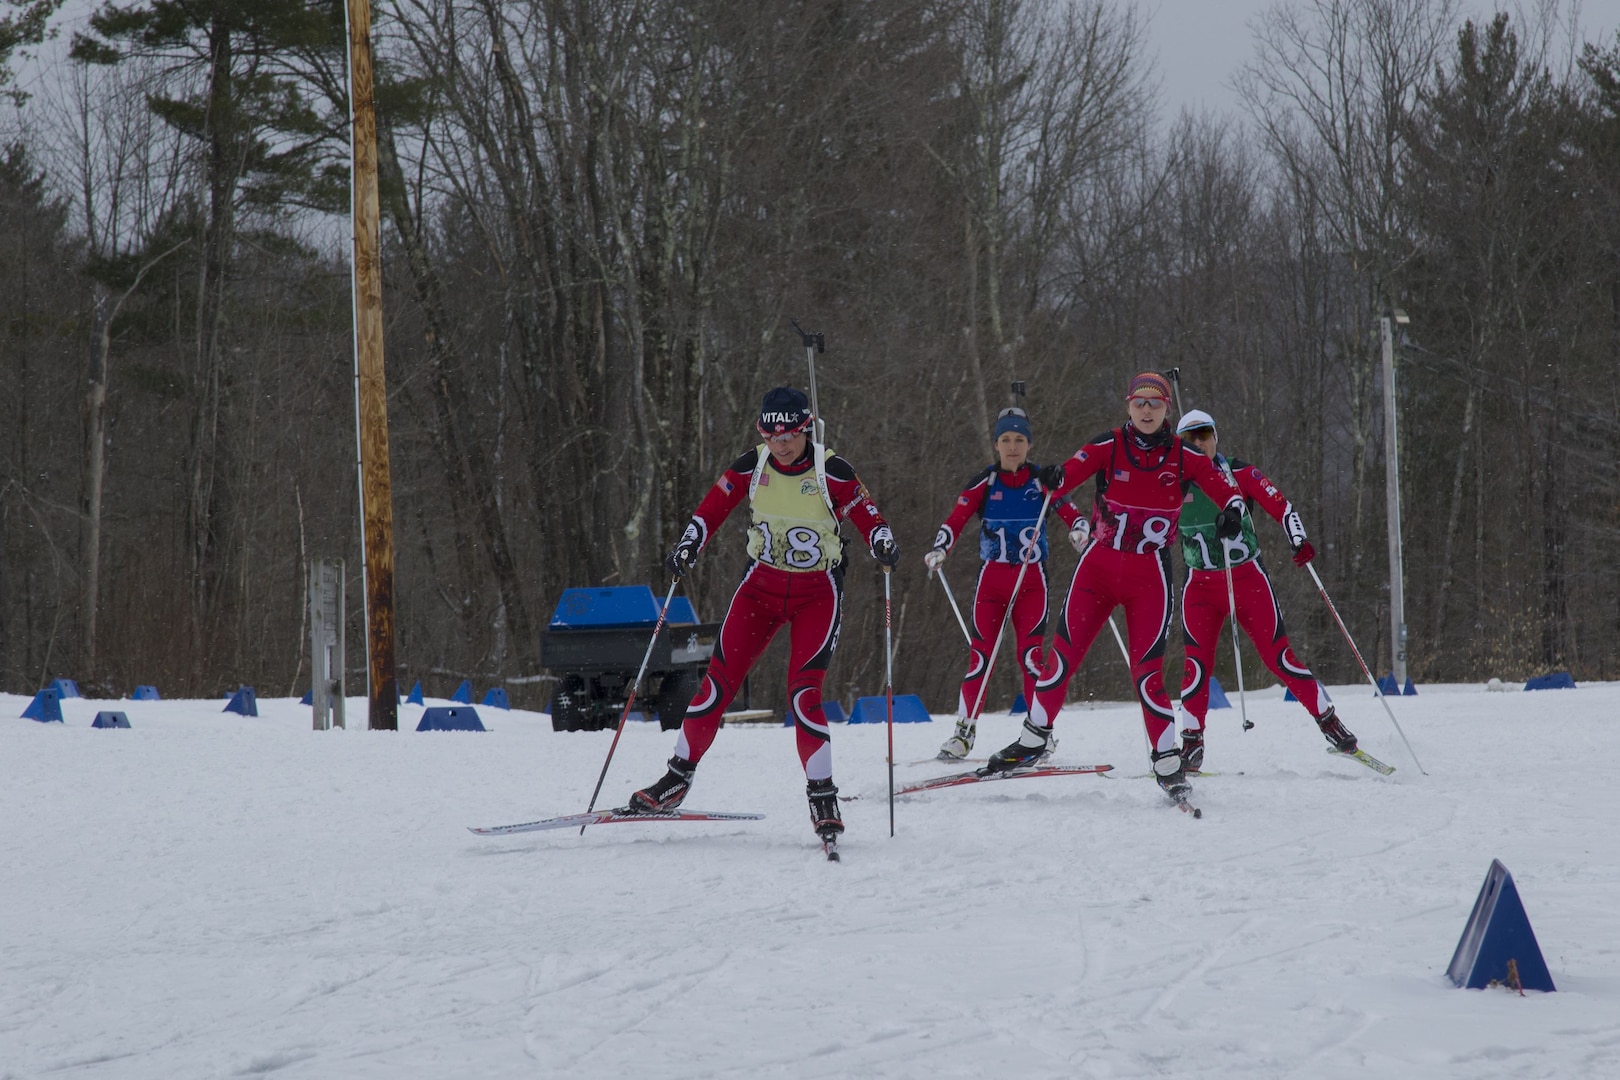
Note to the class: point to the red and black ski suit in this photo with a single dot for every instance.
(1204, 606)
(1127, 563)
(794, 578)
(1008, 503)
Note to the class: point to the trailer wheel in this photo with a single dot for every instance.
(568, 704)
(674, 695)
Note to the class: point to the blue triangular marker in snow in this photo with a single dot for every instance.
(1498, 931)
(440, 718)
(1217, 696)
(146, 693)
(1019, 706)
(832, 712)
(1410, 691)
(1558, 680)
(1387, 686)
(415, 696)
(1288, 695)
(908, 709)
(46, 707)
(110, 720)
(463, 694)
(495, 696)
(66, 687)
(244, 701)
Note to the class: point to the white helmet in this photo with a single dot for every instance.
(1196, 419)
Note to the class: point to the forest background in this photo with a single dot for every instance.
(599, 218)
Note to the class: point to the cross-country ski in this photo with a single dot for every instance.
(1365, 758)
(620, 815)
(979, 776)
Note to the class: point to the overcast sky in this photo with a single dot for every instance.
(1198, 44)
(1201, 43)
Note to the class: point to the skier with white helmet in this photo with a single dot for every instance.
(1204, 604)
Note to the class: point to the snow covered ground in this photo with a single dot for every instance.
(212, 896)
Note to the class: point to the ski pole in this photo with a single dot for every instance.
(940, 570)
(1175, 385)
(888, 684)
(631, 701)
(1377, 690)
(1237, 657)
(1001, 632)
(1122, 650)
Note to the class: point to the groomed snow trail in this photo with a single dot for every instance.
(212, 896)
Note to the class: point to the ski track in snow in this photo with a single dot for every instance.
(208, 895)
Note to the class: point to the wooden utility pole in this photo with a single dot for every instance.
(371, 396)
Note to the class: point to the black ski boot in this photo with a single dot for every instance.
(1337, 734)
(1168, 771)
(668, 792)
(1192, 751)
(824, 815)
(1022, 752)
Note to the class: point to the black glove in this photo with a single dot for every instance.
(1051, 477)
(1229, 523)
(684, 553)
(884, 549)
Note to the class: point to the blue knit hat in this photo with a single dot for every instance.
(1013, 420)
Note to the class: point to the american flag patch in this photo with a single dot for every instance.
(725, 485)
(961, 500)
(764, 478)
(995, 495)
(1122, 474)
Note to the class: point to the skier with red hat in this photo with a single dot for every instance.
(1008, 499)
(1204, 599)
(799, 492)
(1141, 468)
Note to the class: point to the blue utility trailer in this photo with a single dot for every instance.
(594, 647)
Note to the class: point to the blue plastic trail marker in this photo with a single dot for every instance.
(107, 719)
(1557, 680)
(415, 697)
(244, 701)
(46, 707)
(453, 718)
(1217, 696)
(66, 687)
(463, 694)
(1497, 945)
(146, 693)
(908, 709)
(495, 697)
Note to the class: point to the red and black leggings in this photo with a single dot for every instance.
(1204, 610)
(1106, 579)
(990, 602)
(811, 605)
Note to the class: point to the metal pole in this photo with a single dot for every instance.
(376, 504)
(940, 570)
(888, 683)
(1392, 491)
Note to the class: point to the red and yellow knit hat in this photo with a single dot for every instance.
(1148, 384)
